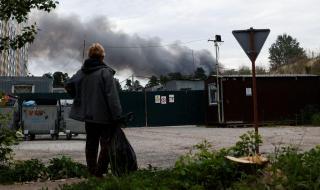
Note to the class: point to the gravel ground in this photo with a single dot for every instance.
(161, 146)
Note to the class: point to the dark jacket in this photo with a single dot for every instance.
(95, 94)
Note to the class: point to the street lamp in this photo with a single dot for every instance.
(217, 42)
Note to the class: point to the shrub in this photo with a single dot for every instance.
(64, 167)
(301, 169)
(7, 139)
(247, 144)
(206, 169)
(308, 112)
(315, 119)
(29, 170)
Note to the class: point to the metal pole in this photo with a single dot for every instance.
(84, 47)
(217, 82)
(146, 106)
(254, 85)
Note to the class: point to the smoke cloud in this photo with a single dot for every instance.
(59, 44)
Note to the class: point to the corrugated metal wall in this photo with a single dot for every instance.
(280, 98)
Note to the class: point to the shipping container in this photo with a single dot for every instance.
(281, 98)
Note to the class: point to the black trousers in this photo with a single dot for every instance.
(98, 134)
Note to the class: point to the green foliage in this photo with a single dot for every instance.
(199, 73)
(175, 76)
(308, 114)
(19, 11)
(289, 169)
(247, 144)
(260, 70)
(315, 119)
(205, 169)
(163, 79)
(59, 78)
(153, 81)
(29, 170)
(285, 50)
(118, 85)
(200, 169)
(136, 85)
(5, 119)
(244, 70)
(64, 167)
(47, 75)
(34, 170)
(128, 85)
(7, 139)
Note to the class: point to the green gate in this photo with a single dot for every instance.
(134, 102)
(165, 108)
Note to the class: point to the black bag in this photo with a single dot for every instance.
(121, 154)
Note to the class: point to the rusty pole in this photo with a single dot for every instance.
(253, 56)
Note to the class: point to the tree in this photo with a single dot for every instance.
(18, 10)
(230, 72)
(260, 70)
(163, 79)
(244, 70)
(137, 86)
(118, 85)
(59, 78)
(175, 76)
(128, 85)
(199, 73)
(153, 81)
(48, 75)
(285, 50)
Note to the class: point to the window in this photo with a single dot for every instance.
(212, 93)
(22, 89)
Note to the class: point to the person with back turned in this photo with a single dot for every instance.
(96, 102)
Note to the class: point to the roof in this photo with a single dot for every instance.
(268, 75)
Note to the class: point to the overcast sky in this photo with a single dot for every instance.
(195, 20)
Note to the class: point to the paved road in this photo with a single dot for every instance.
(161, 146)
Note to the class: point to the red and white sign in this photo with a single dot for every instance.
(163, 100)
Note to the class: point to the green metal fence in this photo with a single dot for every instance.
(165, 108)
(161, 108)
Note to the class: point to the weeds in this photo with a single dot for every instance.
(29, 170)
(35, 170)
(64, 167)
(315, 119)
(7, 139)
(246, 146)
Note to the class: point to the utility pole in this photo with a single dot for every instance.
(216, 41)
(84, 47)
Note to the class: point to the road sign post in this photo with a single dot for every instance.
(251, 41)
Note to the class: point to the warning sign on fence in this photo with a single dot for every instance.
(171, 98)
(163, 100)
(157, 99)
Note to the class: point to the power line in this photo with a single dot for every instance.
(154, 46)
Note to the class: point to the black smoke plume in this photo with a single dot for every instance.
(60, 42)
